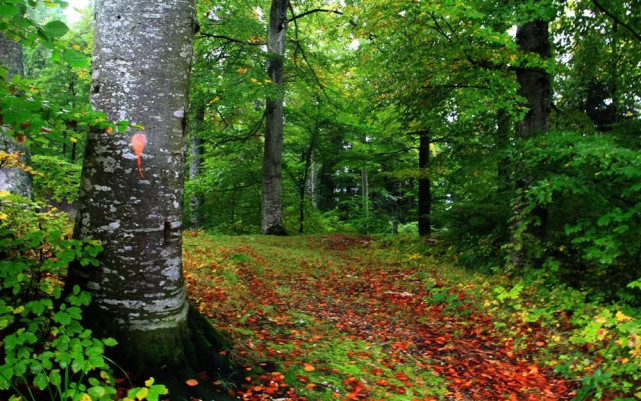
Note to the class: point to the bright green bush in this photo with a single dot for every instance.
(591, 188)
(45, 347)
(46, 352)
(60, 180)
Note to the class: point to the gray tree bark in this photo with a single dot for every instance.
(272, 205)
(141, 64)
(14, 179)
(536, 88)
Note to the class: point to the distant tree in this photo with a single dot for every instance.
(536, 87)
(272, 209)
(132, 192)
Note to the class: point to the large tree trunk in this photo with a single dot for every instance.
(424, 190)
(536, 88)
(142, 57)
(196, 155)
(12, 179)
(272, 208)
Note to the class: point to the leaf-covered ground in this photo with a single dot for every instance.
(346, 318)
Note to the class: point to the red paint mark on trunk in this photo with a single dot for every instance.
(138, 142)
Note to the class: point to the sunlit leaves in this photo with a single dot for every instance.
(55, 29)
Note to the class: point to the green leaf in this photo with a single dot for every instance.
(56, 29)
(62, 317)
(74, 58)
(96, 392)
(6, 374)
(41, 381)
(8, 11)
(122, 127)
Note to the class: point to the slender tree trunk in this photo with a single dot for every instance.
(313, 182)
(536, 88)
(141, 62)
(424, 189)
(13, 179)
(196, 154)
(272, 206)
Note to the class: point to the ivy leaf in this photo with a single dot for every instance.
(56, 29)
(74, 58)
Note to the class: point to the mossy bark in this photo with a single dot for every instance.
(131, 195)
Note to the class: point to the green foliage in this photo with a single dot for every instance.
(45, 345)
(47, 353)
(590, 186)
(60, 179)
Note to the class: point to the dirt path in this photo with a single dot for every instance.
(337, 317)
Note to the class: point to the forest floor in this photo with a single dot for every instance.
(341, 317)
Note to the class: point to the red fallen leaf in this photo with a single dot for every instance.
(382, 382)
(203, 376)
(191, 382)
(401, 376)
(25, 125)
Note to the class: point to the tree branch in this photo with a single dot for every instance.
(228, 39)
(251, 134)
(316, 10)
(617, 20)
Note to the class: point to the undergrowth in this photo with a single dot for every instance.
(46, 352)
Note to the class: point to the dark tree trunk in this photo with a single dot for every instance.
(503, 133)
(14, 179)
(272, 206)
(196, 154)
(536, 88)
(141, 62)
(424, 190)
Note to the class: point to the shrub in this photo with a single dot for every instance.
(47, 353)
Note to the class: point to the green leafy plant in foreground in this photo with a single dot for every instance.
(47, 353)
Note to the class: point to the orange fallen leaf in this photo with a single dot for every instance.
(308, 367)
(191, 382)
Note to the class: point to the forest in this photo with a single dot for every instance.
(292, 200)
